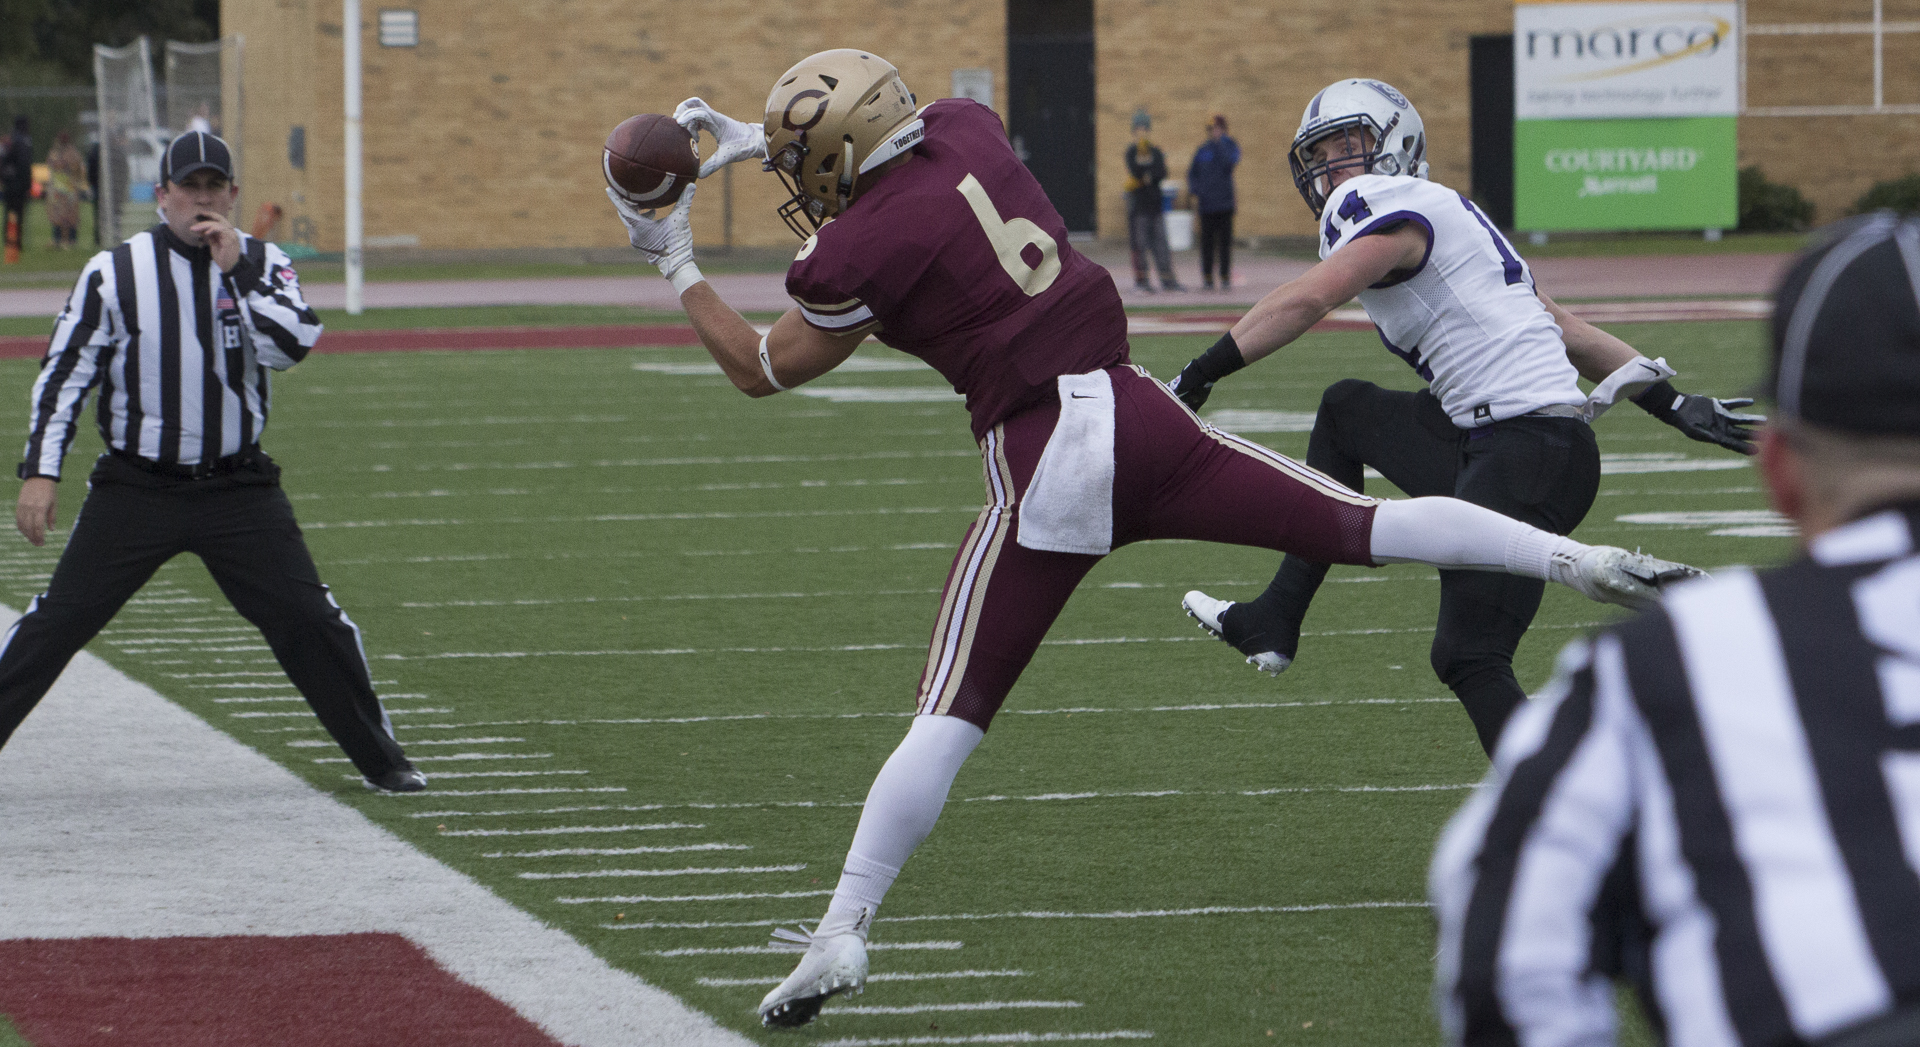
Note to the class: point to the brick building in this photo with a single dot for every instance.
(485, 133)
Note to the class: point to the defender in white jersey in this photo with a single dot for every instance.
(1503, 422)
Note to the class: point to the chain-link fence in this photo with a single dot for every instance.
(131, 139)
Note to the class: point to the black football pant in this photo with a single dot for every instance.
(242, 526)
(1216, 239)
(1541, 471)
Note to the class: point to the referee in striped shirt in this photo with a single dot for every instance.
(1720, 800)
(178, 327)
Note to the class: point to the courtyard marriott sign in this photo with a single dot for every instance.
(1625, 115)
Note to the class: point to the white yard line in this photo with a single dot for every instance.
(884, 976)
(776, 950)
(125, 816)
(938, 1008)
(904, 714)
(598, 874)
(557, 830)
(1132, 914)
(632, 899)
(580, 852)
(1001, 1037)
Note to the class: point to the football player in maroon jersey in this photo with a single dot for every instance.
(924, 230)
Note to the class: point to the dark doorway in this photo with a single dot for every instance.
(1490, 69)
(1050, 100)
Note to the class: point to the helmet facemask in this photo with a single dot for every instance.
(832, 121)
(1315, 179)
(787, 165)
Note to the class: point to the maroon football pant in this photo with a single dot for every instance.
(1174, 477)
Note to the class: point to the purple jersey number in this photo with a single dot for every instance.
(1509, 264)
(1353, 209)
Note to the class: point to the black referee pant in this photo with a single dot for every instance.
(1541, 471)
(241, 525)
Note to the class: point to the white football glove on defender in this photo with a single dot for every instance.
(734, 140)
(667, 242)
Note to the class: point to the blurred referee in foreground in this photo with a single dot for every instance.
(1749, 754)
(178, 326)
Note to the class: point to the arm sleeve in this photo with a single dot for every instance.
(827, 283)
(283, 328)
(85, 329)
(1518, 875)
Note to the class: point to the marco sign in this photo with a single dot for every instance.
(1625, 114)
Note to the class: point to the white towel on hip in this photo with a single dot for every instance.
(1068, 507)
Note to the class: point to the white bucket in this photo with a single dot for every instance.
(1179, 230)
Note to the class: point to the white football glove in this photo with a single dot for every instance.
(734, 140)
(667, 242)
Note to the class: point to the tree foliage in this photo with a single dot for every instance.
(62, 33)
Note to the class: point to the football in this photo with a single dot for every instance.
(650, 160)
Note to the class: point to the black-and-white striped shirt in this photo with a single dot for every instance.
(1753, 751)
(178, 349)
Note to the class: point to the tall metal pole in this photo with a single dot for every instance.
(350, 26)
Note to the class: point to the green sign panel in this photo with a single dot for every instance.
(1625, 174)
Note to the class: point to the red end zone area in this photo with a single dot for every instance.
(304, 991)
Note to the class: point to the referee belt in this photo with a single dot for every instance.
(195, 471)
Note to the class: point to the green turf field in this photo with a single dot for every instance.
(652, 640)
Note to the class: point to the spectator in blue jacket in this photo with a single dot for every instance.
(1210, 180)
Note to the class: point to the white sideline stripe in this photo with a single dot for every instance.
(896, 976)
(1136, 914)
(989, 1037)
(936, 1008)
(114, 830)
(560, 829)
(631, 899)
(774, 950)
(572, 852)
(909, 713)
(731, 870)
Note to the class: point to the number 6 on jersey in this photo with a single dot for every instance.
(1010, 239)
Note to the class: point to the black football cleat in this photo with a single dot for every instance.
(402, 779)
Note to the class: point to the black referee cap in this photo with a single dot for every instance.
(193, 151)
(1846, 329)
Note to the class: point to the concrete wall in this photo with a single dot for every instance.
(488, 134)
(1260, 64)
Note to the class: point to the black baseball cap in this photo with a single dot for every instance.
(1846, 329)
(193, 151)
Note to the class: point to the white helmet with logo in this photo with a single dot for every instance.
(1399, 140)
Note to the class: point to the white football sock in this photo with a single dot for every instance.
(1447, 532)
(902, 806)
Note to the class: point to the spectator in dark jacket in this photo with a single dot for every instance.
(16, 184)
(1210, 180)
(1146, 224)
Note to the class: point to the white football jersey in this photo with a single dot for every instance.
(1467, 318)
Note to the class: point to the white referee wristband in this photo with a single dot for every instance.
(684, 277)
(766, 365)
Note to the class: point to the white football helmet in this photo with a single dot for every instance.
(1399, 139)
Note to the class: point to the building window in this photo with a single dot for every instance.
(399, 28)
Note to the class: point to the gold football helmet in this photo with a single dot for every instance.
(830, 120)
